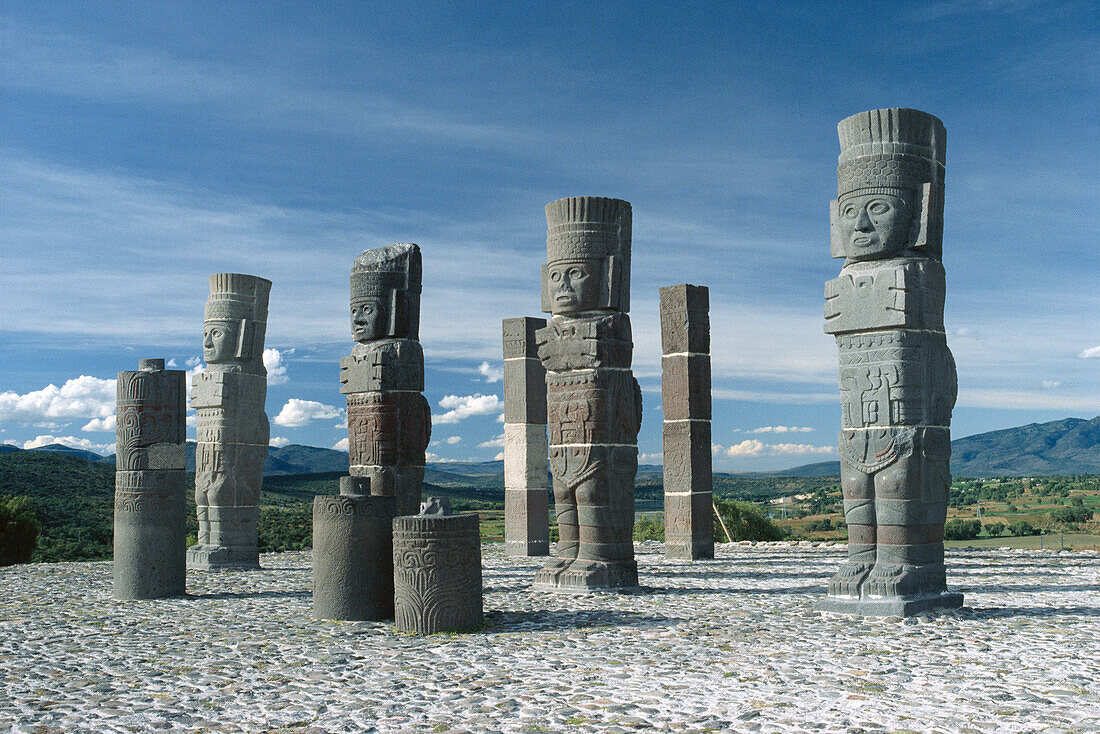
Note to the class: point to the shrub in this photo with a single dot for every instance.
(818, 526)
(648, 527)
(962, 529)
(994, 528)
(1077, 501)
(1021, 527)
(744, 522)
(18, 530)
(1070, 514)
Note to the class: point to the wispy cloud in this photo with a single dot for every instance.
(104, 449)
(753, 447)
(491, 373)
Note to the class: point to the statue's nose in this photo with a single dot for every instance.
(863, 222)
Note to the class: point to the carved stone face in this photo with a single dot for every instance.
(875, 225)
(574, 286)
(370, 319)
(219, 341)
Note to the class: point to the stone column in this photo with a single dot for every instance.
(897, 376)
(233, 432)
(685, 400)
(389, 424)
(594, 406)
(150, 537)
(526, 490)
(437, 570)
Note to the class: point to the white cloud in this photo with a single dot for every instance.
(437, 459)
(1051, 384)
(278, 441)
(103, 449)
(171, 364)
(490, 373)
(497, 442)
(452, 440)
(80, 397)
(461, 407)
(275, 366)
(651, 458)
(781, 429)
(716, 448)
(341, 445)
(100, 424)
(753, 447)
(499, 456)
(299, 412)
(1090, 353)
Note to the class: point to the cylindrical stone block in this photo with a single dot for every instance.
(437, 573)
(149, 523)
(352, 557)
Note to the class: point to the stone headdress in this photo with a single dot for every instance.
(591, 228)
(895, 151)
(391, 274)
(242, 301)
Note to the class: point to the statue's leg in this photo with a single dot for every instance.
(565, 511)
(911, 504)
(858, 490)
(202, 510)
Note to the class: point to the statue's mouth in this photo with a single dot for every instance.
(862, 240)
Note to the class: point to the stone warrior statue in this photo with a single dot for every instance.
(389, 421)
(233, 431)
(897, 377)
(389, 424)
(594, 406)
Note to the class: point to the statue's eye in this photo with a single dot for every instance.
(850, 212)
(555, 276)
(878, 207)
(576, 273)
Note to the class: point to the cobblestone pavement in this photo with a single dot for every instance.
(726, 645)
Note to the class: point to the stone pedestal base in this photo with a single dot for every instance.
(580, 577)
(223, 558)
(353, 557)
(150, 537)
(437, 571)
(885, 606)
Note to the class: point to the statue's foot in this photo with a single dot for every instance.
(557, 564)
(897, 579)
(849, 579)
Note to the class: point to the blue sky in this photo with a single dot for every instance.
(146, 146)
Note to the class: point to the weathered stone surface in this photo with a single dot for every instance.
(352, 557)
(526, 522)
(437, 570)
(233, 430)
(687, 456)
(150, 537)
(685, 319)
(524, 391)
(387, 364)
(897, 376)
(518, 336)
(525, 456)
(685, 386)
(594, 405)
(685, 401)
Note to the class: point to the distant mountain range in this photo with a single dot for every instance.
(1068, 446)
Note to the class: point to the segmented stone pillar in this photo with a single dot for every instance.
(233, 432)
(897, 376)
(594, 406)
(437, 570)
(150, 538)
(389, 424)
(685, 400)
(526, 496)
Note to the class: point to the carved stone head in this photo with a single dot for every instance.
(889, 185)
(236, 321)
(588, 255)
(385, 293)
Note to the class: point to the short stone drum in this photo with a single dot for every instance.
(437, 570)
(352, 573)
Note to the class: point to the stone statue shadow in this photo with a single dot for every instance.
(743, 590)
(704, 574)
(1037, 612)
(543, 620)
(302, 594)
